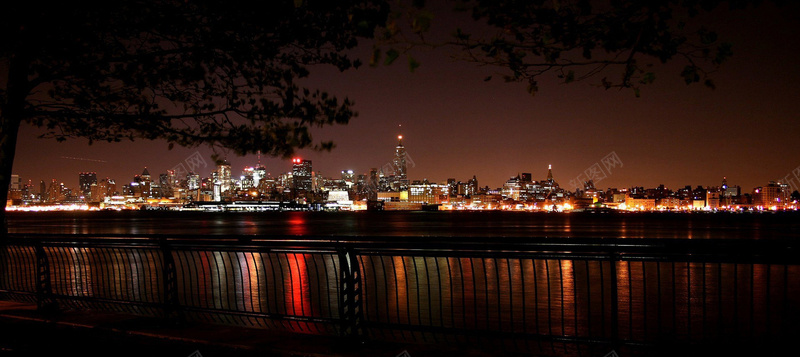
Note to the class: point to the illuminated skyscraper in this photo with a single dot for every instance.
(301, 176)
(472, 186)
(259, 174)
(399, 165)
(85, 180)
(141, 184)
(224, 176)
(349, 178)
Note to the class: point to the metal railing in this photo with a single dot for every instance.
(531, 294)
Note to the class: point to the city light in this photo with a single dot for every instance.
(390, 186)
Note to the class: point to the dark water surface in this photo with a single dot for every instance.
(446, 224)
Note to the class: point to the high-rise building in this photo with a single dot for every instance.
(349, 178)
(224, 176)
(400, 180)
(259, 174)
(452, 187)
(141, 184)
(192, 181)
(472, 186)
(301, 176)
(85, 181)
(15, 182)
(246, 180)
(372, 185)
(55, 192)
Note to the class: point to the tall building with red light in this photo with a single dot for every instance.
(399, 181)
(301, 176)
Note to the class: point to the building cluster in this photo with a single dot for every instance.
(384, 188)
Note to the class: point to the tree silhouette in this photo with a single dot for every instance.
(621, 41)
(224, 74)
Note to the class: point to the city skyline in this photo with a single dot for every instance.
(193, 170)
(600, 172)
(457, 125)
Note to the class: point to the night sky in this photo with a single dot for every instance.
(456, 125)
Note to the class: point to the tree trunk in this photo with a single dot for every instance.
(11, 116)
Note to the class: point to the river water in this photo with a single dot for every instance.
(445, 224)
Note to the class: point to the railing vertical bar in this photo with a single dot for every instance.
(658, 298)
(498, 301)
(561, 295)
(398, 310)
(463, 293)
(674, 301)
(272, 285)
(549, 304)
(375, 308)
(536, 301)
(230, 261)
(287, 286)
(602, 299)
(614, 299)
(441, 290)
(299, 284)
(785, 295)
(240, 292)
(145, 290)
(752, 301)
(736, 299)
(705, 298)
(575, 312)
(429, 294)
(768, 313)
(474, 293)
(511, 325)
(200, 278)
(452, 293)
(720, 326)
(419, 297)
(689, 301)
(318, 279)
(183, 278)
(261, 281)
(116, 275)
(59, 275)
(644, 301)
(485, 276)
(329, 294)
(524, 301)
(588, 299)
(630, 301)
(408, 298)
(386, 284)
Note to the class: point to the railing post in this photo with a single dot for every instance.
(172, 310)
(44, 287)
(350, 312)
(5, 264)
(614, 257)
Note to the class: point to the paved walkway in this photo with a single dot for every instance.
(26, 332)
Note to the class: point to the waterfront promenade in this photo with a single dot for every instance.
(89, 333)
